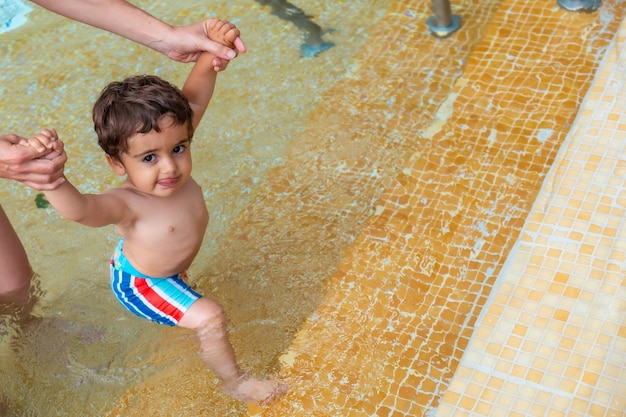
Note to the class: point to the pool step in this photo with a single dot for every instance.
(403, 305)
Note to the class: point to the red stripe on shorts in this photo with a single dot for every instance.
(156, 300)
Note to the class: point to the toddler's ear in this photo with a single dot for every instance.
(116, 165)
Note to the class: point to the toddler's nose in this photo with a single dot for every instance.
(168, 165)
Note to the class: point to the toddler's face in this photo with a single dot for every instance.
(157, 163)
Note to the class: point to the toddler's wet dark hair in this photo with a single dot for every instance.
(136, 105)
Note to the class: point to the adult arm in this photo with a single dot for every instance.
(181, 43)
(17, 163)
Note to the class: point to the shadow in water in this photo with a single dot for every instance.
(313, 43)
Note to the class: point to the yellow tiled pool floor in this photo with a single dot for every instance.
(552, 340)
(490, 278)
(466, 194)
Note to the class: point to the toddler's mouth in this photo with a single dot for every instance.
(168, 182)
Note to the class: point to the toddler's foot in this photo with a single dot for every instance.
(262, 391)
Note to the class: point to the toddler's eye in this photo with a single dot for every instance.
(179, 149)
(149, 158)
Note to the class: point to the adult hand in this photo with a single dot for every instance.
(41, 169)
(180, 43)
(186, 43)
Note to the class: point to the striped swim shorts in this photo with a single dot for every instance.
(163, 300)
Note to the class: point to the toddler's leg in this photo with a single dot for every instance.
(207, 318)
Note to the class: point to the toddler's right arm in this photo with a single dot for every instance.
(94, 210)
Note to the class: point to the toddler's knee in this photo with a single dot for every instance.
(209, 314)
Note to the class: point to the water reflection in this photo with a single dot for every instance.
(313, 44)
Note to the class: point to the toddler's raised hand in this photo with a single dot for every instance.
(227, 34)
(224, 32)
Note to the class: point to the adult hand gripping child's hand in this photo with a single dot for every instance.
(47, 143)
(39, 167)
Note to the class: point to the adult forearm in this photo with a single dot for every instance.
(115, 16)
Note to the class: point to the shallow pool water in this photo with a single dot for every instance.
(80, 347)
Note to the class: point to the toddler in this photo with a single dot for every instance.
(145, 127)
